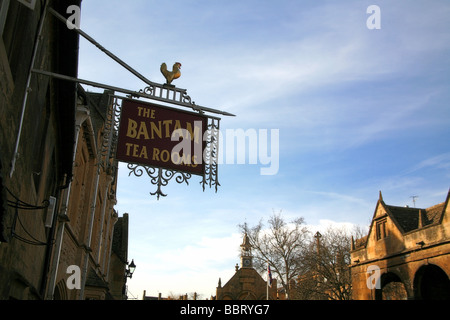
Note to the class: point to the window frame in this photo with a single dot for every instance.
(380, 229)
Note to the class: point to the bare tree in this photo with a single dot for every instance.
(281, 245)
(195, 296)
(187, 296)
(326, 261)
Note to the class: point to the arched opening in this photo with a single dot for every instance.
(247, 295)
(60, 291)
(392, 288)
(431, 283)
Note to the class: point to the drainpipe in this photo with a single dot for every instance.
(81, 116)
(91, 225)
(113, 217)
(109, 180)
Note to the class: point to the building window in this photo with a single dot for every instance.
(381, 229)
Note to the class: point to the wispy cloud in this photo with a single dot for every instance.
(186, 268)
(439, 162)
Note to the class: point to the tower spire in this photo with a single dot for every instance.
(246, 253)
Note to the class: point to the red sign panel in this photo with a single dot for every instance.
(158, 136)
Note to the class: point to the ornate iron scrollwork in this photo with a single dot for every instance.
(170, 94)
(150, 90)
(210, 156)
(110, 135)
(173, 95)
(160, 177)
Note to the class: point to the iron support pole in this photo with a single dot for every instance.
(104, 50)
(130, 92)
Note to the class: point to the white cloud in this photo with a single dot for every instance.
(207, 253)
(190, 268)
(325, 225)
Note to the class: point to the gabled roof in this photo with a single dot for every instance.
(406, 219)
(411, 219)
(234, 287)
(243, 273)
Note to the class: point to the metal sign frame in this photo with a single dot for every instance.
(160, 176)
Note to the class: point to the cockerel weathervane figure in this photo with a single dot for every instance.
(171, 75)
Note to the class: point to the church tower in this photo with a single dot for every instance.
(246, 283)
(246, 253)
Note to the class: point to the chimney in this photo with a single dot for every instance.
(420, 219)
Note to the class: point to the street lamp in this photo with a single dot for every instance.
(131, 267)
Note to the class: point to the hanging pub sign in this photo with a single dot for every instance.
(162, 137)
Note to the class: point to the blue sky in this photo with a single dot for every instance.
(358, 111)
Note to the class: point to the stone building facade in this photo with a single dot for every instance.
(50, 131)
(406, 254)
(85, 227)
(37, 118)
(246, 283)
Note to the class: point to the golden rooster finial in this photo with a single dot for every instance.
(171, 75)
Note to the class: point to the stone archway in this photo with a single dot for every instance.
(392, 288)
(431, 283)
(60, 291)
(247, 295)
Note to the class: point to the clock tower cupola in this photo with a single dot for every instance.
(246, 253)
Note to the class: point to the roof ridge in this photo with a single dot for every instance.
(405, 207)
